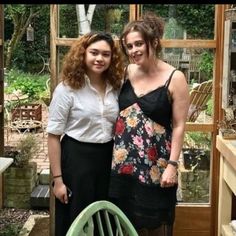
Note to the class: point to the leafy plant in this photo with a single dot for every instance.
(11, 230)
(196, 152)
(209, 110)
(27, 83)
(206, 64)
(26, 149)
(198, 140)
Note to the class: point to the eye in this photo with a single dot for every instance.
(106, 54)
(94, 53)
(139, 43)
(129, 46)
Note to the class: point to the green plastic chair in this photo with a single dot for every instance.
(83, 225)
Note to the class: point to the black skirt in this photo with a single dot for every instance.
(146, 206)
(86, 171)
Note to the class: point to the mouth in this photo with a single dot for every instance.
(136, 56)
(99, 65)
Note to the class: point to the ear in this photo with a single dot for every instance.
(155, 43)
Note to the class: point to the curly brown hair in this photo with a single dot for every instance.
(74, 68)
(150, 26)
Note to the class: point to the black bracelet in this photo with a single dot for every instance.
(173, 163)
(56, 176)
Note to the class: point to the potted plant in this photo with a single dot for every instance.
(196, 153)
(195, 174)
(21, 177)
(227, 127)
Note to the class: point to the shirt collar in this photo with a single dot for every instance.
(87, 82)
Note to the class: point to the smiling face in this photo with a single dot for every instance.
(136, 47)
(98, 57)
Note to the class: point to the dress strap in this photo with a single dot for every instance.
(168, 81)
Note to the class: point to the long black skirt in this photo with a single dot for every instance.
(146, 206)
(86, 171)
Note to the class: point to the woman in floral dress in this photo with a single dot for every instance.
(149, 133)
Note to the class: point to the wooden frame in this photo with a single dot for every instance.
(1, 78)
(208, 210)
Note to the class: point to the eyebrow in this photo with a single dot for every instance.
(137, 41)
(97, 50)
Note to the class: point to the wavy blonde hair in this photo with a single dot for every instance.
(74, 68)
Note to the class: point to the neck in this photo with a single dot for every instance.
(150, 67)
(98, 83)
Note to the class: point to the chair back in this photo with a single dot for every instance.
(173, 59)
(194, 63)
(84, 223)
(199, 96)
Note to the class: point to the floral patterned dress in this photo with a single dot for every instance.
(142, 146)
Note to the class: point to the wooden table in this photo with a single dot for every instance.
(4, 164)
(227, 186)
(14, 97)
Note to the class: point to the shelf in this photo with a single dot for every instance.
(227, 230)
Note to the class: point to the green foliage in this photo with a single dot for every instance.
(29, 84)
(25, 54)
(198, 139)
(173, 30)
(209, 110)
(196, 19)
(110, 18)
(11, 230)
(68, 21)
(206, 64)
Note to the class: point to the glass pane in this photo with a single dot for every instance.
(106, 17)
(194, 169)
(195, 63)
(68, 27)
(185, 21)
(110, 18)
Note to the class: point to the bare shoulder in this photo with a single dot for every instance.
(131, 71)
(178, 78)
(178, 82)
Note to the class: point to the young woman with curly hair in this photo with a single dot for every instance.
(80, 127)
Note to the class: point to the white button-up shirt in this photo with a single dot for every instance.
(82, 114)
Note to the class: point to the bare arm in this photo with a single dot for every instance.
(180, 106)
(54, 154)
(179, 116)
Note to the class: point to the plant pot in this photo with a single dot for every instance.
(198, 159)
(18, 185)
(228, 133)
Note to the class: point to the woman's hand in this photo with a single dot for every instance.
(169, 177)
(60, 191)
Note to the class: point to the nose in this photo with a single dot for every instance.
(99, 57)
(133, 49)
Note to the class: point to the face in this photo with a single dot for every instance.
(136, 48)
(98, 57)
